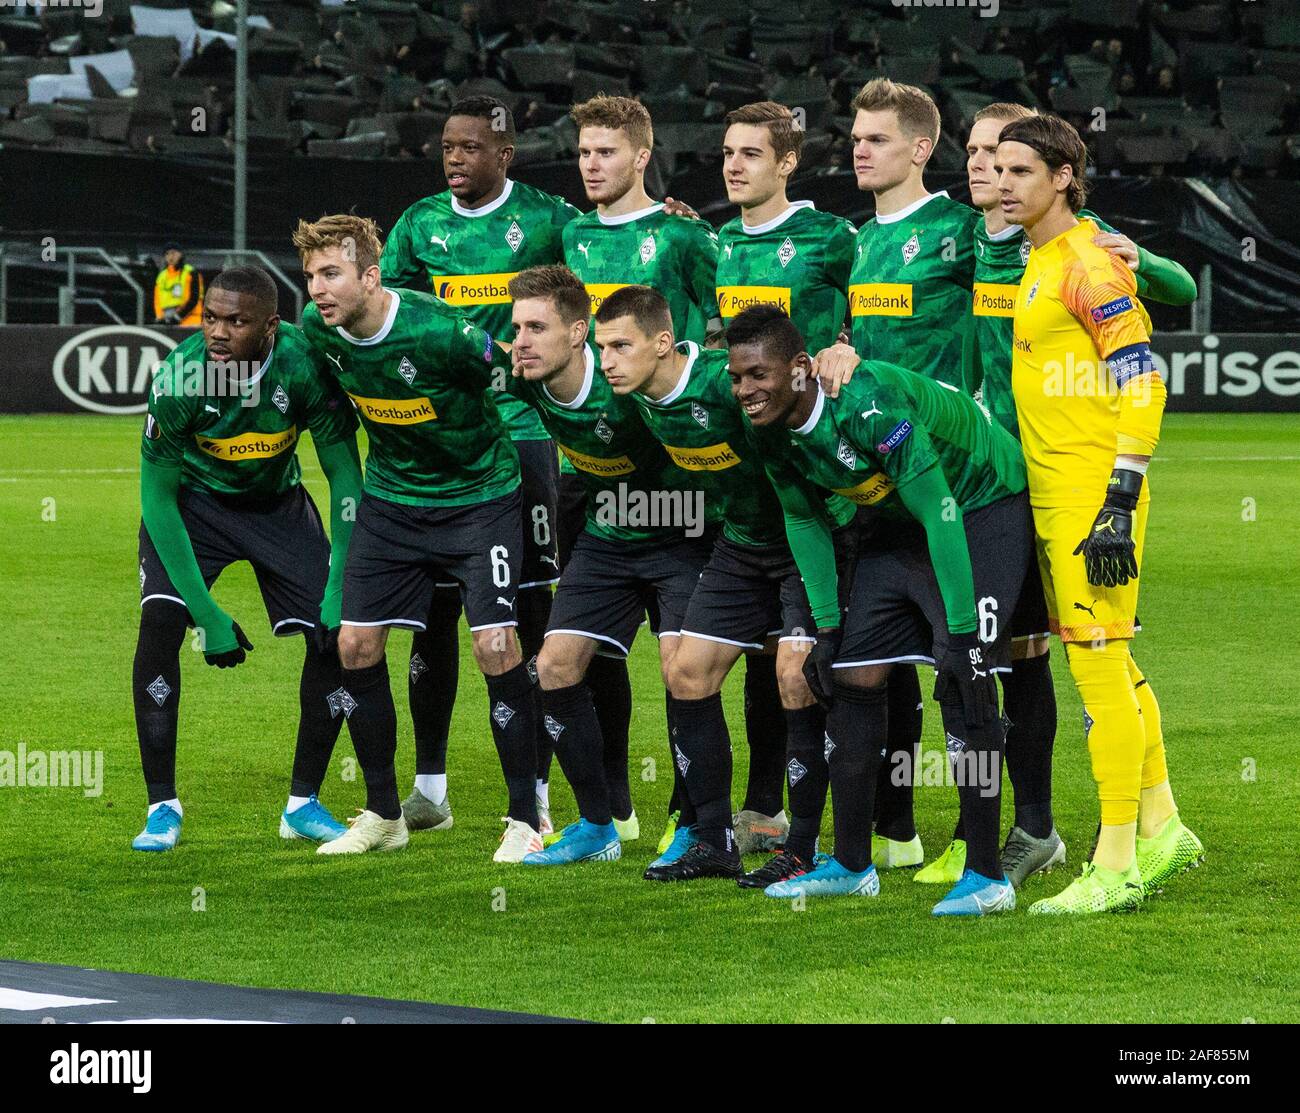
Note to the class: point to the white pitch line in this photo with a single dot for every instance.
(24, 1000)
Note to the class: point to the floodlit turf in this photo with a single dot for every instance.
(440, 922)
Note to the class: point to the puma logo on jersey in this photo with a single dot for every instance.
(466, 329)
(335, 360)
(553, 561)
(873, 410)
(727, 248)
(506, 602)
(1081, 607)
(440, 242)
(583, 248)
(210, 409)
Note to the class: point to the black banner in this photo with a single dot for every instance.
(106, 369)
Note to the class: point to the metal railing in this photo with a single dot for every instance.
(294, 288)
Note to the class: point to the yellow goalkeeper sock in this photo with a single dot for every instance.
(1116, 739)
(1157, 802)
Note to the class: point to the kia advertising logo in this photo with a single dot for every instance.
(108, 369)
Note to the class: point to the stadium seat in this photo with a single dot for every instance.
(1261, 94)
(1106, 14)
(542, 66)
(1153, 150)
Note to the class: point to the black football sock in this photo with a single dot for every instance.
(318, 730)
(765, 734)
(570, 722)
(976, 757)
(702, 751)
(857, 728)
(533, 609)
(515, 718)
(807, 777)
(432, 679)
(896, 781)
(680, 801)
(156, 691)
(1029, 700)
(611, 694)
(365, 700)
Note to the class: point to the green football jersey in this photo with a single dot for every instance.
(625, 470)
(422, 387)
(676, 255)
(888, 426)
(467, 256)
(800, 260)
(241, 441)
(703, 430)
(910, 290)
(999, 265)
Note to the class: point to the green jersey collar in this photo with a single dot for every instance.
(627, 218)
(776, 221)
(908, 210)
(491, 206)
(384, 329)
(816, 415)
(692, 351)
(580, 398)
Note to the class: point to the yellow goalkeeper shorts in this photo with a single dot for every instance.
(1077, 610)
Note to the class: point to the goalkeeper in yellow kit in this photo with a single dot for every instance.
(1089, 402)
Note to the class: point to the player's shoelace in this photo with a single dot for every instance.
(1014, 853)
(781, 867)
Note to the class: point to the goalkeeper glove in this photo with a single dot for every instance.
(232, 655)
(1109, 556)
(963, 669)
(817, 667)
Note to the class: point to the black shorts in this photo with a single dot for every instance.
(746, 594)
(1030, 618)
(571, 518)
(282, 538)
(539, 481)
(399, 553)
(896, 612)
(609, 586)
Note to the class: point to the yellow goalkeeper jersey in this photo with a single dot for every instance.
(1080, 335)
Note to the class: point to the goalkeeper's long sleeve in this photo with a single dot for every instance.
(1164, 280)
(341, 464)
(159, 488)
(931, 502)
(1141, 408)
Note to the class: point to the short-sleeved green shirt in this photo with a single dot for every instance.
(422, 386)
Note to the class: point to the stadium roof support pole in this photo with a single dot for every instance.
(241, 125)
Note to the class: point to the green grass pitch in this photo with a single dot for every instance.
(440, 922)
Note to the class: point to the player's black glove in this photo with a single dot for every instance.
(963, 669)
(817, 665)
(231, 657)
(1108, 552)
